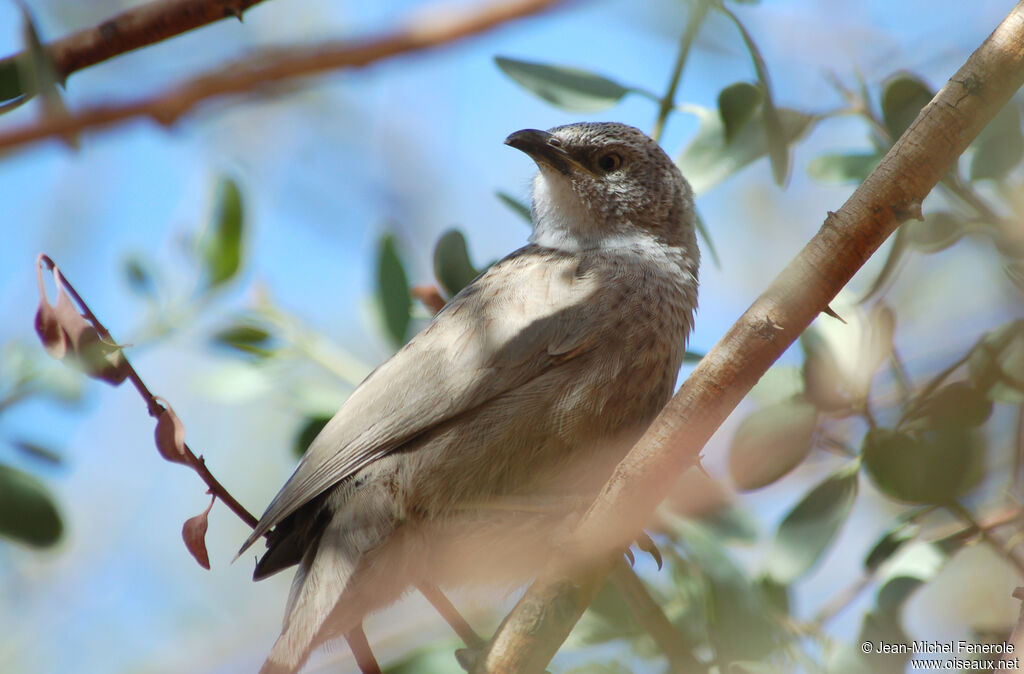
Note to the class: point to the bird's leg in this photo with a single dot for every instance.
(356, 639)
(450, 614)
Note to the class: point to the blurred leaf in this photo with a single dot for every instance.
(246, 338)
(840, 169)
(692, 356)
(890, 543)
(737, 103)
(38, 451)
(775, 133)
(452, 266)
(568, 88)
(603, 667)
(938, 231)
(730, 523)
(810, 527)
(883, 627)
(771, 442)
(27, 511)
(903, 97)
(12, 90)
(518, 207)
(956, 405)
(393, 291)
(931, 467)
(607, 618)
(999, 147)
(308, 432)
(729, 609)
(996, 366)
(708, 160)
(221, 245)
(705, 234)
(1015, 272)
(891, 265)
(821, 374)
(433, 659)
(140, 278)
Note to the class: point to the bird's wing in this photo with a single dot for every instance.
(528, 312)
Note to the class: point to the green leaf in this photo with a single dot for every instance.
(810, 527)
(27, 511)
(568, 88)
(999, 147)
(996, 366)
(708, 160)
(246, 338)
(771, 118)
(903, 97)
(37, 451)
(771, 442)
(139, 277)
(452, 267)
(956, 405)
(737, 103)
(692, 356)
(726, 605)
(12, 89)
(308, 432)
(607, 618)
(891, 542)
(839, 169)
(393, 291)
(221, 245)
(517, 207)
(930, 467)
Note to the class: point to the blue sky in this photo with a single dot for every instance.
(412, 145)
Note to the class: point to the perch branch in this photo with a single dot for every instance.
(890, 195)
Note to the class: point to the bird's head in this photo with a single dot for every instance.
(603, 185)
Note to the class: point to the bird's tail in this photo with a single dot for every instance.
(357, 566)
(320, 582)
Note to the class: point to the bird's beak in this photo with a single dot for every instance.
(544, 149)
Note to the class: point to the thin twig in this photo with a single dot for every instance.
(667, 102)
(986, 535)
(136, 27)
(428, 31)
(154, 408)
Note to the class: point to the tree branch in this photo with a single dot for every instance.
(429, 30)
(133, 28)
(890, 195)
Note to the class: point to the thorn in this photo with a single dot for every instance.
(829, 311)
(908, 209)
(235, 12)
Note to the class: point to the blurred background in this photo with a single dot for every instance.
(328, 186)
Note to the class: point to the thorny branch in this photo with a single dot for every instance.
(848, 237)
(429, 30)
(136, 27)
(64, 323)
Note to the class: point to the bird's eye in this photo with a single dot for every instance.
(609, 162)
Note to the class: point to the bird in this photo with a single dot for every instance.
(470, 449)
